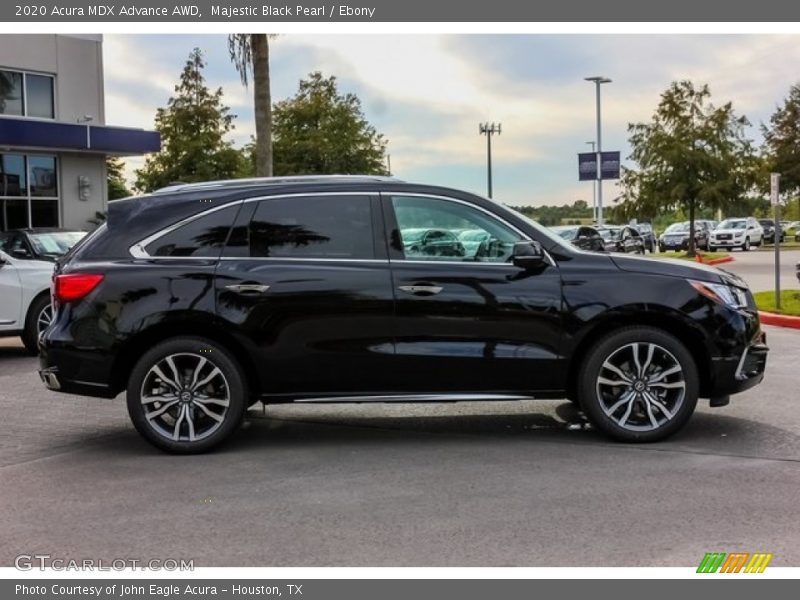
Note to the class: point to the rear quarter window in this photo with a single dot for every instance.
(204, 236)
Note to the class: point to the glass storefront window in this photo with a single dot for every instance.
(25, 182)
(11, 100)
(42, 176)
(13, 179)
(39, 96)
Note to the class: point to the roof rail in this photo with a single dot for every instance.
(255, 181)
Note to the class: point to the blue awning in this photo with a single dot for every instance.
(100, 139)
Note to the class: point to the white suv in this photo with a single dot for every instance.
(736, 233)
(25, 308)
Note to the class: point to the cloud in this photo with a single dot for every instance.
(428, 93)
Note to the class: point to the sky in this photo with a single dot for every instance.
(428, 93)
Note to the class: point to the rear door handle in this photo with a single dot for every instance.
(247, 288)
(421, 289)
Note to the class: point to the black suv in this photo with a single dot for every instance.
(203, 299)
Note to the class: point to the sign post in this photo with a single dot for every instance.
(774, 198)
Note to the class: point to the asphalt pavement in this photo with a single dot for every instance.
(757, 267)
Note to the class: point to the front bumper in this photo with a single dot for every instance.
(731, 375)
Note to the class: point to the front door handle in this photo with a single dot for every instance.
(247, 288)
(421, 289)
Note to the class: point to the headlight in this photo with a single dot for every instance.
(739, 233)
(721, 293)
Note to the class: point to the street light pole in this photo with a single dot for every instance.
(598, 80)
(489, 129)
(594, 191)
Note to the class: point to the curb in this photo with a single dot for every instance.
(768, 318)
(714, 261)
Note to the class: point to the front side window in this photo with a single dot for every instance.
(332, 227)
(435, 229)
(202, 237)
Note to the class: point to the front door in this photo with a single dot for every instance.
(305, 280)
(467, 319)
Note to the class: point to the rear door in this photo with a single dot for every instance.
(467, 319)
(305, 282)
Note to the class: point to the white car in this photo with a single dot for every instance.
(736, 233)
(25, 308)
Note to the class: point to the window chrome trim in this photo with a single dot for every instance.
(137, 250)
(525, 237)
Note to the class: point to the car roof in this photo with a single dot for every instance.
(250, 182)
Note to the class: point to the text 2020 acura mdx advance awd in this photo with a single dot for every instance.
(202, 299)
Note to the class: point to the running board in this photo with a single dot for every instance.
(410, 398)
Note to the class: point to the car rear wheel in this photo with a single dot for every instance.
(638, 384)
(187, 395)
(40, 315)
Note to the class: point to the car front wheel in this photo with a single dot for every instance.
(638, 384)
(187, 395)
(746, 245)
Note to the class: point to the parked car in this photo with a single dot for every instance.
(581, 236)
(25, 309)
(768, 225)
(43, 243)
(676, 236)
(432, 242)
(621, 238)
(736, 233)
(648, 236)
(202, 299)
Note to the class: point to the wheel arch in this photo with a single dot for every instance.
(668, 322)
(136, 346)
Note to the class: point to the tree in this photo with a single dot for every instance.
(193, 127)
(691, 155)
(782, 144)
(320, 131)
(250, 54)
(115, 178)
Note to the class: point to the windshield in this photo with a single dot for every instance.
(55, 243)
(611, 233)
(678, 227)
(566, 233)
(733, 224)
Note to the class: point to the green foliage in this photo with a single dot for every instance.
(691, 155)
(117, 186)
(193, 127)
(578, 213)
(320, 131)
(782, 148)
(790, 302)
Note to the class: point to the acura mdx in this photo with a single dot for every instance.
(202, 299)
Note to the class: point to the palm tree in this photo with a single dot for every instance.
(250, 53)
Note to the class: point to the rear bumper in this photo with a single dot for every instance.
(75, 371)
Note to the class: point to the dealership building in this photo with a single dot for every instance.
(54, 140)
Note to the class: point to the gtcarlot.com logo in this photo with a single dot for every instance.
(735, 562)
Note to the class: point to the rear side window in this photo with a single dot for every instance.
(313, 227)
(201, 237)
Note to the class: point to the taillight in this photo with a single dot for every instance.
(74, 286)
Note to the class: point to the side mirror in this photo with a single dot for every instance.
(527, 255)
(20, 253)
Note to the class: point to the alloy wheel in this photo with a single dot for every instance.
(641, 386)
(185, 397)
(44, 318)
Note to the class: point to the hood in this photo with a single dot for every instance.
(718, 230)
(672, 268)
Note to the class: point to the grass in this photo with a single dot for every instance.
(790, 302)
(684, 256)
(788, 244)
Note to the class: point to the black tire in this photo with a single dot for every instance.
(30, 335)
(185, 413)
(712, 248)
(638, 424)
(746, 245)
